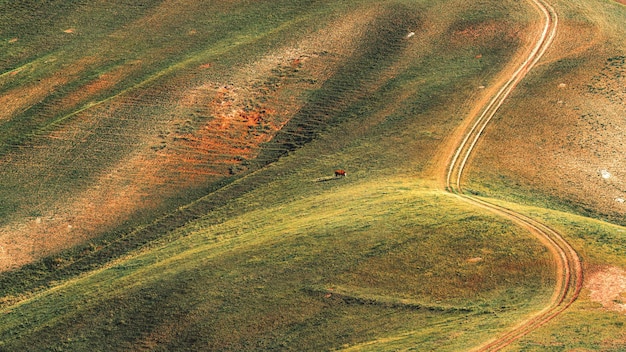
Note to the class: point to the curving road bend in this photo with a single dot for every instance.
(568, 265)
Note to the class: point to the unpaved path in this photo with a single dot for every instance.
(569, 272)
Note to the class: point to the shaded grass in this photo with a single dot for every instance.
(586, 325)
(244, 284)
(244, 267)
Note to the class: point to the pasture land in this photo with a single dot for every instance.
(166, 179)
(567, 151)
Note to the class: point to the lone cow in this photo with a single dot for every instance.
(340, 173)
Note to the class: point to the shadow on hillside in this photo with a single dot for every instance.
(327, 178)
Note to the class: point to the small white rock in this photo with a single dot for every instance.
(605, 174)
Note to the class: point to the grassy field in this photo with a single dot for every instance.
(596, 320)
(566, 152)
(322, 272)
(167, 180)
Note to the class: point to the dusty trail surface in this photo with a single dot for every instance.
(569, 274)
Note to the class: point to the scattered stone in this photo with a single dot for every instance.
(69, 31)
(475, 260)
(620, 200)
(13, 40)
(410, 34)
(562, 85)
(605, 174)
(481, 87)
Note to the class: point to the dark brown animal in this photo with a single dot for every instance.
(339, 173)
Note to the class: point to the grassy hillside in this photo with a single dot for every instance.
(595, 322)
(125, 121)
(167, 179)
(567, 152)
(313, 273)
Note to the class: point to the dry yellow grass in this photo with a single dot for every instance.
(562, 133)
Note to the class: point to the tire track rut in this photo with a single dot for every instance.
(569, 270)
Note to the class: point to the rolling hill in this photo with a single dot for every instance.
(167, 175)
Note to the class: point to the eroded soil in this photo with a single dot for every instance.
(607, 286)
(204, 129)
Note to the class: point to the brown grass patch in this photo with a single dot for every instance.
(103, 83)
(573, 131)
(71, 222)
(19, 99)
(480, 32)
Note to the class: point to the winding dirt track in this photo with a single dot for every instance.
(569, 277)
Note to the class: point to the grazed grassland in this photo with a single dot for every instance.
(166, 179)
(567, 151)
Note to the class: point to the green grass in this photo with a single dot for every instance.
(282, 256)
(260, 280)
(586, 325)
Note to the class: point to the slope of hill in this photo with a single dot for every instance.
(568, 150)
(167, 179)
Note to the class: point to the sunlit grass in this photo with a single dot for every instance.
(392, 253)
(285, 256)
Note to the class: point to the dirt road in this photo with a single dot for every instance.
(568, 265)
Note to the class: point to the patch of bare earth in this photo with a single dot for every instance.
(202, 133)
(607, 286)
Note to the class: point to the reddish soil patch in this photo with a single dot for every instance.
(204, 130)
(608, 287)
